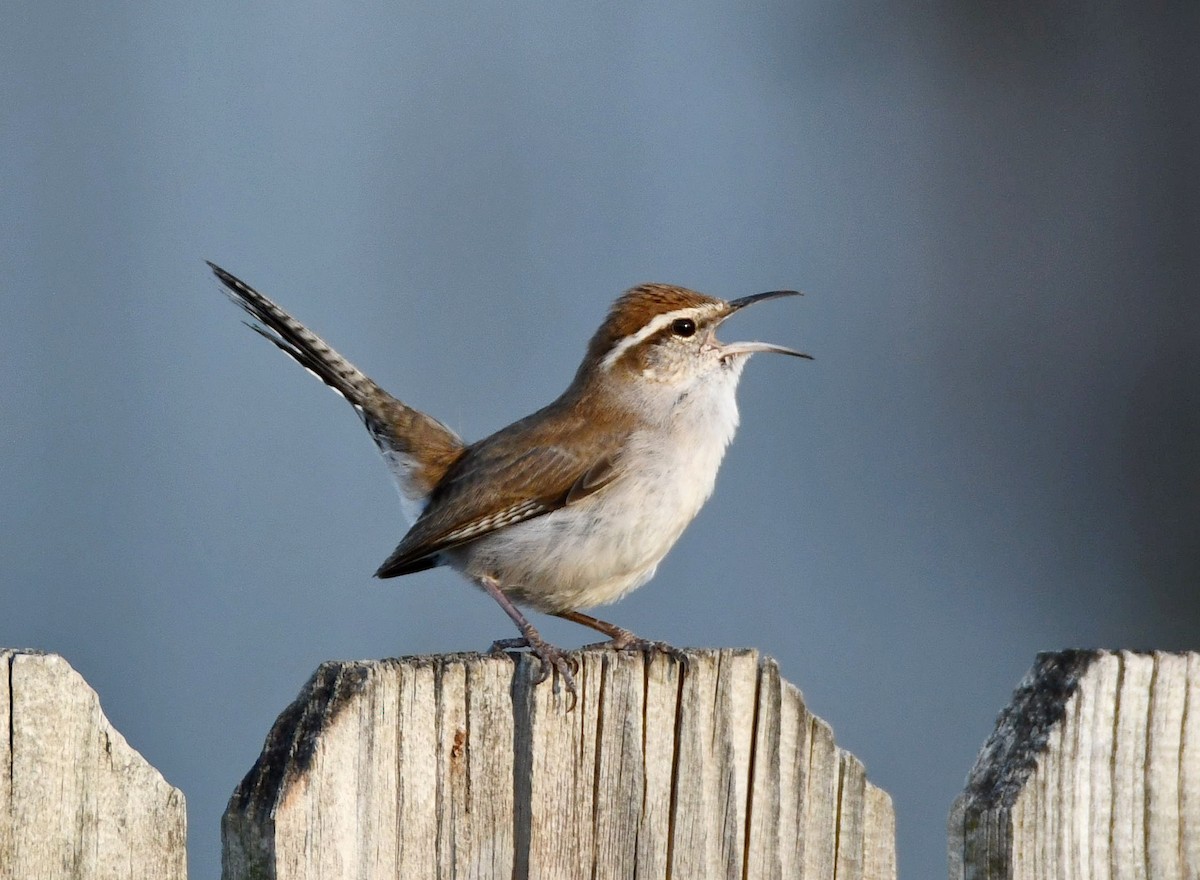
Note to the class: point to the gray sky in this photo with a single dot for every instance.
(993, 212)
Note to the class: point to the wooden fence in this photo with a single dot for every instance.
(458, 766)
(75, 800)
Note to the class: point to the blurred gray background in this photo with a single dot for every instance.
(993, 209)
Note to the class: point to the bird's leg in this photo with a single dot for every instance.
(552, 658)
(620, 638)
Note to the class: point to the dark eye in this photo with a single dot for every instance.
(683, 327)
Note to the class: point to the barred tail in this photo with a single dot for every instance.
(299, 343)
(417, 447)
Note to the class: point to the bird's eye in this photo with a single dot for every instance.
(683, 327)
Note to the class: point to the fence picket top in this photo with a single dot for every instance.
(459, 765)
(1010, 753)
(1090, 772)
(75, 798)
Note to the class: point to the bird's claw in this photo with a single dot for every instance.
(555, 660)
(627, 642)
(551, 659)
(501, 645)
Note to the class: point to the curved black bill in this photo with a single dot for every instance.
(742, 302)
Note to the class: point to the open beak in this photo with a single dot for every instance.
(735, 348)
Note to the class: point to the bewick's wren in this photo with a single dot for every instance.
(575, 505)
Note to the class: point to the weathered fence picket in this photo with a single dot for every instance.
(1093, 772)
(460, 767)
(75, 800)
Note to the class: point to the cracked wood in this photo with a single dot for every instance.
(456, 766)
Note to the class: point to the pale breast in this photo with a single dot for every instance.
(598, 549)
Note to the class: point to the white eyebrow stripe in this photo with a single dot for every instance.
(652, 326)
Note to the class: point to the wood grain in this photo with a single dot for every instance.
(75, 800)
(1093, 772)
(457, 766)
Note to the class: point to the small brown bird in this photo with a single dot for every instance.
(574, 505)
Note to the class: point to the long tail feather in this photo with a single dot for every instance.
(417, 447)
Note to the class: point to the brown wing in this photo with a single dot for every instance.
(466, 505)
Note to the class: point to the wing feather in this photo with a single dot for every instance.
(466, 506)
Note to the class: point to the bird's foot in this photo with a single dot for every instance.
(624, 640)
(552, 660)
(501, 645)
